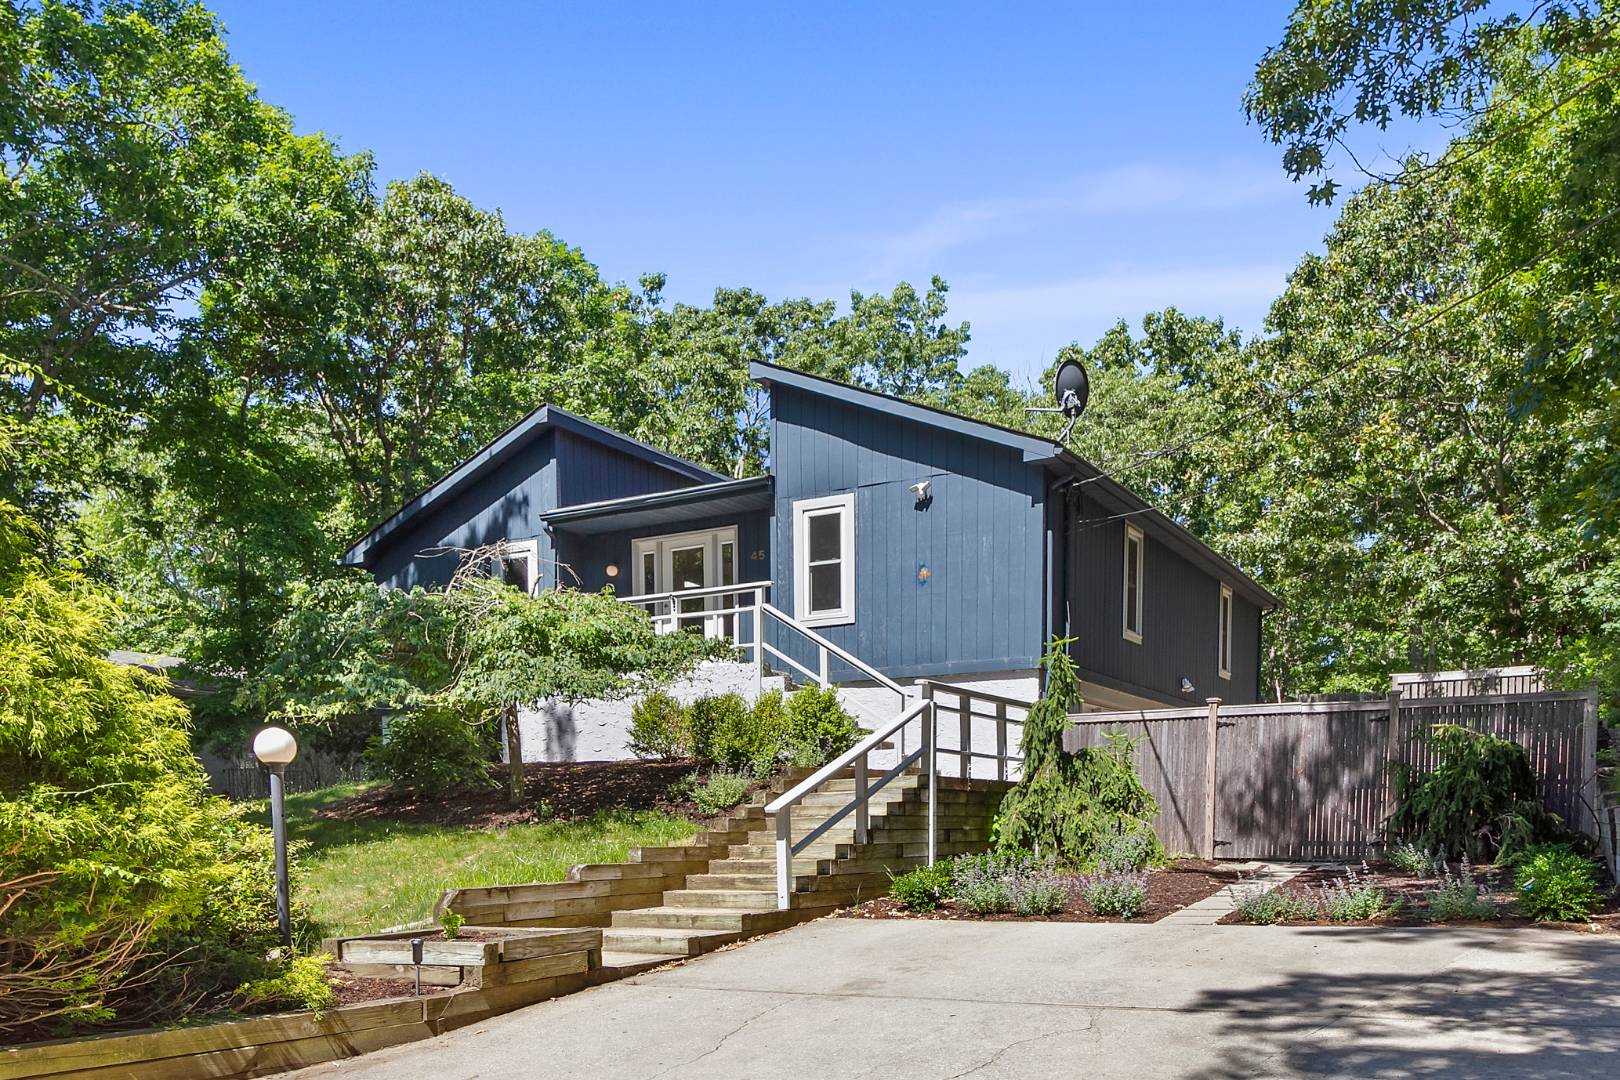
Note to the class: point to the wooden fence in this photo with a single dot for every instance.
(1522, 679)
(1315, 780)
(236, 780)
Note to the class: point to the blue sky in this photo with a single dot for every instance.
(1060, 167)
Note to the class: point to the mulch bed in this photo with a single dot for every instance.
(1495, 885)
(1169, 889)
(552, 791)
(352, 990)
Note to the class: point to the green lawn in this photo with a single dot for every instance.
(361, 876)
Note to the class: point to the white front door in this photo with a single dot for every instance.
(685, 561)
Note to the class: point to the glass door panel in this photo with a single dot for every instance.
(688, 569)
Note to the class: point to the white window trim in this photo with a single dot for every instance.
(1134, 636)
(656, 545)
(1223, 644)
(529, 551)
(803, 509)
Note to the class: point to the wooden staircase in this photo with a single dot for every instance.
(735, 896)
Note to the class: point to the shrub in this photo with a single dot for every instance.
(1037, 889)
(1351, 899)
(979, 884)
(922, 889)
(1269, 906)
(658, 728)
(1557, 885)
(1067, 804)
(451, 924)
(818, 727)
(1126, 848)
(430, 750)
(1457, 898)
(1414, 860)
(716, 794)
(707, 716)
(1114, 894)
(117, 863)
(747, 739)
(303, 984)
(1479, 799)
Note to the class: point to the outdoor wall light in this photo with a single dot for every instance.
(1187, 686)
(920, 489)
(611, 570)
(275, 748)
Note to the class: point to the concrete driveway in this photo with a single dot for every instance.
(848, 998)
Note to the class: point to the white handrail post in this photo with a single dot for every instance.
(964, 724)
(860, 799)
(759, 641)
(784, 857)
(1001, 740)
(825, 668)
(929, 747)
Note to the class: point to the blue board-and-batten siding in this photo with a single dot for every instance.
(588, 471)
(981, 536)
(1180, 619)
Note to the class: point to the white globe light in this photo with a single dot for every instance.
(275, 746)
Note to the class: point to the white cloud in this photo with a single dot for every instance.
(1129, 189)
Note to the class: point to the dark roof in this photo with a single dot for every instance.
(546, 417)
(663, 507)
(1036, 450)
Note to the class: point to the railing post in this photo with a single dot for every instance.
(826, 667)
(1001, 740)
(964, 727)
(759, 641)
(784, 857)
(860, 800)
(930, 748)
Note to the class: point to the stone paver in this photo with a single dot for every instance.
(1256, 876)
(849, 999)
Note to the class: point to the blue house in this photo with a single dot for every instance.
(889, 542)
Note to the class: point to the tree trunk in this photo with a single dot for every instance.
(514, 756)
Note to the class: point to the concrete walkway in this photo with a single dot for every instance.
(943, 1000)
(1257, 877)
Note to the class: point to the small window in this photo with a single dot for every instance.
(1133, 583)
(1224, 650)
(517, 566)
(824, 560)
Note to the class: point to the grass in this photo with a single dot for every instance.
(360, 876)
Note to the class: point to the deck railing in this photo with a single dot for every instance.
(735, 610)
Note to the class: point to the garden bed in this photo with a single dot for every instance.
(1412, 890)
(1169, 889)
(477, 956)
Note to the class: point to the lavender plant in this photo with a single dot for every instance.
(1117, 895)
(1352, 898)
(979, 883)
(1457, 898)
(1268, 906)
(1036, 888)
(1414, 860)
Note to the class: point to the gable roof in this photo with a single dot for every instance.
(1036, 451)
(530, 427)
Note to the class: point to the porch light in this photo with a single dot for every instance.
(611, 569)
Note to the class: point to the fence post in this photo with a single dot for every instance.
(1209, 778)
(1589, 778)
(1392, 742)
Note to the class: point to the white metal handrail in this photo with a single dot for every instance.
(856, 756)
(671, 618)
(966, 698)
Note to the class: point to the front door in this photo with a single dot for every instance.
(691, 561)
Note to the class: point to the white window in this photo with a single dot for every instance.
(1133, 583)
(824, 560)
(520, 565)
(687, 561)
(1224, 649)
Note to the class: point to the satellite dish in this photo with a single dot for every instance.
(1072, 388)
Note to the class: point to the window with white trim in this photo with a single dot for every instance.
(1224, 649)
(519, 565)
(824, 560)
(1134, 547)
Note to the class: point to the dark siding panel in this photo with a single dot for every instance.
(503, 504)
(589, 472)
(981, 537)
(1180, 618)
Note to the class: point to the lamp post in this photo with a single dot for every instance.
(275, 748)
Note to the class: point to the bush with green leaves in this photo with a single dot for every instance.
(1067, 805)
(980, 883)
(1479, 800)
(716, 793)
(1268, 906)
(451, 923)
(430, 750)
(1116, 894)
(1352, 898)
(130, 894)
(923, 888)
(1457, 899)
(1036, 888)
(305, 983)
(818, 727)
(1557, 885)
(659, 728)
(747, 738)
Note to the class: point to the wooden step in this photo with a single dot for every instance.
(694, 918)
(745, 899)
(666, 941)
(621, 965)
